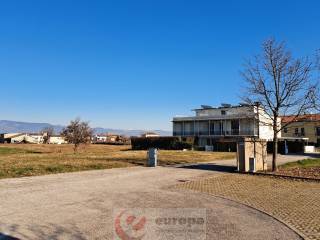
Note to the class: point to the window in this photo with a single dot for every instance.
(285, 130)
(318, 131)
(223, 112)
(296, 131)
(302, 132)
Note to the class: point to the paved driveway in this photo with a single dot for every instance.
(79, 205)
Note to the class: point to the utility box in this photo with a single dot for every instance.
(309, 149)
(208, 148)
(152, 157)
(251, 155)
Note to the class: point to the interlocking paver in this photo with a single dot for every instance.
(294, 202)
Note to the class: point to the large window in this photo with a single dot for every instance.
(235, 127)
(204, 127)
(302, 132)
(318, 131)
(177, 128)
(188, 128)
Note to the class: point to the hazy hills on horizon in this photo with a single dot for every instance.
(7, 126)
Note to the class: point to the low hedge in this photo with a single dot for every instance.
(165, 143)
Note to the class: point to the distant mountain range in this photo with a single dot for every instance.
(7, 126)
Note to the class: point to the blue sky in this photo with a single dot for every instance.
(136, 64)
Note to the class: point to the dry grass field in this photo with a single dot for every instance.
(17, 160)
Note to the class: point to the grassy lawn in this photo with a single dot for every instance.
(17, 160)
(302, 168)
(310, 162)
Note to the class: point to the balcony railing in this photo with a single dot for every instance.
(232, 132)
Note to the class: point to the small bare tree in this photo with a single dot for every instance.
(77, 132)
(47, 133)
(281, 84)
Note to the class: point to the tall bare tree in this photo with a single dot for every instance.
(281, 84)
(77, 132)
(47, 133)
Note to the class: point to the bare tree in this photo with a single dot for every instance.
(77, 132)
(281, 84)
(47, 133)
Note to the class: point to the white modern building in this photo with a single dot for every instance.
(150, 134)
(226, 121)
(29, 138)
(99, 138)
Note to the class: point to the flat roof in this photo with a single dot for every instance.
(225, 107)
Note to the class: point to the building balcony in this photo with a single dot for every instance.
(231, 132)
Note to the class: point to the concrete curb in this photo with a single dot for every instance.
(274, 217)
(248, 173)
(284, 176)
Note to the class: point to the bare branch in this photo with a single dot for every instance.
(280, 83)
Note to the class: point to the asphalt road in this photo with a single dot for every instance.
(84, 205)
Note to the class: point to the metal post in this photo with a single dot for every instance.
(182, 128)
(254, 129)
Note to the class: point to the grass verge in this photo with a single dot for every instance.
(18, 160)
(310, 162)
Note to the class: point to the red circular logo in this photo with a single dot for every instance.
(130, 227)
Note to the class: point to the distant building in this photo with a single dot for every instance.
(304, 126)
(33, 138)
(57, 139)
(99, 138)
(36, 138)
(110, 138)
(12, 137)
(150, 134)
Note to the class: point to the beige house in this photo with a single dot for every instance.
(57, 139)
(21, 137)
(33, 138)
(305, 126)
(12, 137)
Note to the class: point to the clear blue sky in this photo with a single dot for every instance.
(136, 64)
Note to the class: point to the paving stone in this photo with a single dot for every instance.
(295, 202)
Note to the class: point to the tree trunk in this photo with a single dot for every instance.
(75, 148)
(275, 151)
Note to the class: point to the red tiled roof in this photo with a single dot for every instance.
(302, 118)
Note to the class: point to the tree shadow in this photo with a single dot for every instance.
(210, 167)
(7, 237)
(48, 231)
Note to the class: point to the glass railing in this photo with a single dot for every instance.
(232, 132)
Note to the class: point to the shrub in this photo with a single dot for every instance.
(165, 143)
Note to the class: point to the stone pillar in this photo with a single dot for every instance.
(251, 155)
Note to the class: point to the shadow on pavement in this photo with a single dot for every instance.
(46, 231)
(211, 167)
(7, 237)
